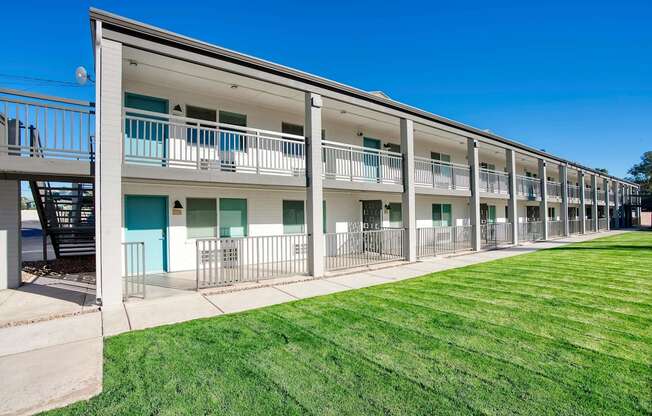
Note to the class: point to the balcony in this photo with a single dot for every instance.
(435, 174)
(528, 187)
(601, 196)
(574, 193)
(161, 140)
(354, 164)
(554, 190)
(494, 182)
(35, 127)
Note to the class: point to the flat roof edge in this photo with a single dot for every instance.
(145, 29)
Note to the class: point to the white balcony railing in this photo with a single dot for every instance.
(493, 181)
(573, 192)
(162, 140)
(347, 162)
(34, 125)
(441, 175)
(554, 189)
(601, 196)
(528, 187)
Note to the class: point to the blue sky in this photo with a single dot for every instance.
(572, 77)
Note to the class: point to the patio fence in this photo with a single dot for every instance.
(555, 229)
(575, 226)
(530, 231)
(433, 241)
(590, 225)
(495, 234)
(363, 248)
(602, 224)
(226, 261)
(133, 273)
(441, 175)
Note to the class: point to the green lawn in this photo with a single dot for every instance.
(566, 331)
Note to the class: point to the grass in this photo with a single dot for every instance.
(566, 331)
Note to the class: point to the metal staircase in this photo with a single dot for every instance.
(67, 215)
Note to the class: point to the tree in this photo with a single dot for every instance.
(602, 170)
(641, 173)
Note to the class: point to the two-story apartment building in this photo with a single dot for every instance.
(210, 167)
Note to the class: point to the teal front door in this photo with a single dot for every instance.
(371, 159)
(146, 136)
(146, 220)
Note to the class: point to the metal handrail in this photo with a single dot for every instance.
(361, 148)
(439, 174)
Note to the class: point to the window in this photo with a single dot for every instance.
(233, 217)
(531, 175)
(488, 166)
(293, 217)
(439, 170)
(201, 218)
(231, 138)
(442, 215)
(551, 214)
(206, 133)
(393, 147)
(288, 147)
(532, 213)
(395, 214)
(507, 212)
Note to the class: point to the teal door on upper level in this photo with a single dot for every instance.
(146, 220)
(371, 159)
(146, 136)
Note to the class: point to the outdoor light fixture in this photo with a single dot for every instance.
(177, 108)
(178, 205)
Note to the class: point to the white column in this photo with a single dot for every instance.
(543, 206)
(474, 201)
(607, 201)
(580, 175)
(616, 186)
(10, 244)
(512, 208)
(563, 178)
(409, 204)
(315, 194)
(594, 210)
(108, 171)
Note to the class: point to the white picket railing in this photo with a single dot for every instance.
(530, 231)
(573, 192)
(227, 261)
(434, 241)
(555, 228)
(575, 226)
(495, 234)
(35, 125)
(528, 187)
(361, 164)
(163, 140)
(554, 189)
(441, 175)
(602, 224)
(493, 181)
(363, 248)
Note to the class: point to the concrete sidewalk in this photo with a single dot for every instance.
(142, 314)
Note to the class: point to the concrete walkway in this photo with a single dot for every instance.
(50, 363)
(143, 314)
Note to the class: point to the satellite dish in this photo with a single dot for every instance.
(81, 75)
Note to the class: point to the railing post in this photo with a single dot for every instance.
(512, 208)
(543, 207)
(351, 164)
(474, 202)
(257, 144)
(314, 197)
(408, 197)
